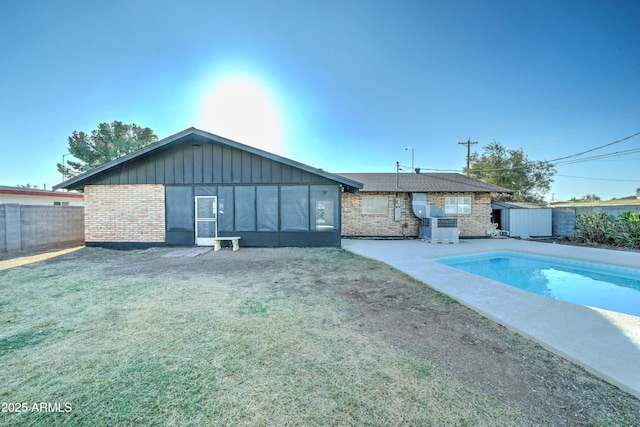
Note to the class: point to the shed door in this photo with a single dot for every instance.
(206, 220)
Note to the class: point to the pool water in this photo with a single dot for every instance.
(595, 285)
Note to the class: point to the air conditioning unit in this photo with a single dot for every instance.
(435, 227)
(439, 230)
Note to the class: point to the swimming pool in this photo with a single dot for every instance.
(595, 285)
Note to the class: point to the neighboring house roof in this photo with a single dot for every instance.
(192, 135)
(21, 191)
(423, 183)
(631, 200)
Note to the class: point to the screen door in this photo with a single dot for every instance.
(206, 220)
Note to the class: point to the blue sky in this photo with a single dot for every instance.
(341, 85)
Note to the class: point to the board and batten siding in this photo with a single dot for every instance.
(193, 169)
(206, 163)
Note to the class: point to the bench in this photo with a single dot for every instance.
(233, 240)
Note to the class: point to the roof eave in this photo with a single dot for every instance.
(76, 182)
(409, 190)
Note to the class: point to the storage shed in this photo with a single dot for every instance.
(194, 185)
(522, 219)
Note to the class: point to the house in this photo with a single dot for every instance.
(34, 196)
(194, 185)
(382, 208)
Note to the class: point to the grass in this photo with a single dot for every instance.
(130, 338)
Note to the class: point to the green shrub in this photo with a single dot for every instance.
(627, 228)
(594, 229)
(600, 229)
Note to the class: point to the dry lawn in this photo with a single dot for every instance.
(266, 337)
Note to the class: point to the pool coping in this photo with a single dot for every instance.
(603, 342)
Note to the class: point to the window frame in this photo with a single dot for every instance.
(458, 205)
(375, 207)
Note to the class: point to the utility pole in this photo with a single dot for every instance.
(468, 144)
(412, 166)
(62, 172)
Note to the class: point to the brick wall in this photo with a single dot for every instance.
(474, 224)
(355, 223)
(124, 213)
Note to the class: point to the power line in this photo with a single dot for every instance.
(561, 161)
(599, 179)
(596, 148)
(608, 124)
(601, 156)
(567, 160)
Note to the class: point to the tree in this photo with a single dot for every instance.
(106, 143)
(28, 185)
(529, 179)
(586, 198)
(591, 198)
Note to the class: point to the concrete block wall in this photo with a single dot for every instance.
(50, 226)
(563, 218)
(12, 239)
(125, 213)
(562, 221)
(29, 227)
(3, 230)
(355, 223)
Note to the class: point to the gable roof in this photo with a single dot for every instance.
(190, 135)
(423, 183)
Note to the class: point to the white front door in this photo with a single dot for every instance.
(206, 220)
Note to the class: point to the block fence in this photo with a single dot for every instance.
(564, 218)
(30, 227)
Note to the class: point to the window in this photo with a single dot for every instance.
(294, 209)
(372, 205)
(245, 208)
(324, 200)
(225, 209)
(61, 203)
(457, 205)
(267, 205)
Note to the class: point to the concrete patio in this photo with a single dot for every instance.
(605, 343)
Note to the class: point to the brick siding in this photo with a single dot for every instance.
(355, 223)
(124, 213)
